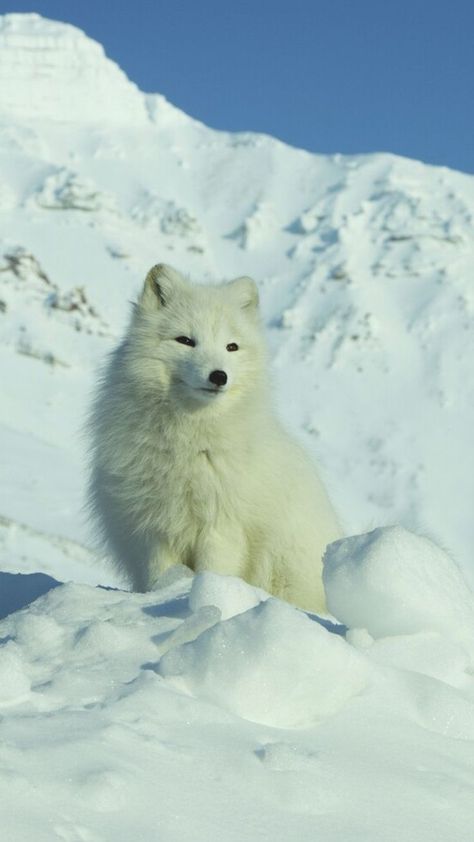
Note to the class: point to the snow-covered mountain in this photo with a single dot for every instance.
(364, 263)
(365, 270)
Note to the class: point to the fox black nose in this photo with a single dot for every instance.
(219, 378)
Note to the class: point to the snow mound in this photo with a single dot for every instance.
(271, 664)
(393, 582)
(165, 217)
(66, 190)
(258, 227)
(266, 715)
(227, 593)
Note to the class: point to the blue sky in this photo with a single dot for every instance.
(329, 75)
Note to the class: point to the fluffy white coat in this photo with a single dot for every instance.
(189, 471)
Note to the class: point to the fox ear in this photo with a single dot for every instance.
(245, 292)
(159, 285)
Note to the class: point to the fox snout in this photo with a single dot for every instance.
(218, 378)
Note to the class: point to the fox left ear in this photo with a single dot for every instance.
(159, 286)
(246, 292)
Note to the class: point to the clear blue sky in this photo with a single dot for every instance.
(327, 75)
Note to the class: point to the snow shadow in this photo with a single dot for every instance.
(19, 589)
(176, 608)
(329, 625)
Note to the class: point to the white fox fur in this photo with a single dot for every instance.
(186, 471)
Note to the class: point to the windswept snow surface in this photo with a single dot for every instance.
(208, 710)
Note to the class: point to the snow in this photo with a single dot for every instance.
(393, 582)
(40, 62)
(227, 593)
(137, 713)
(208, 709)
(272, 665)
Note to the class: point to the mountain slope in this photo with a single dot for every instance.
(364, 265)
(206, 709)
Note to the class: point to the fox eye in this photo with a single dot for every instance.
(232, 346)
(185, 340)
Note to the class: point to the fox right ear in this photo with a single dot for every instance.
(159, 285)
(245, 292)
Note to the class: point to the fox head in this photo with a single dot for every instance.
(199, 346)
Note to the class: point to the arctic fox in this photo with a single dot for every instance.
(189, 464)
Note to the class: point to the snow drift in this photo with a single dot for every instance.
(208, 704)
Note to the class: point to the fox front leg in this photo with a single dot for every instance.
(161, 558)
(221, 551)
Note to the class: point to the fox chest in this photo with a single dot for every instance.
(203, 489)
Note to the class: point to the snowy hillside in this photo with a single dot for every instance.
(365, 270)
